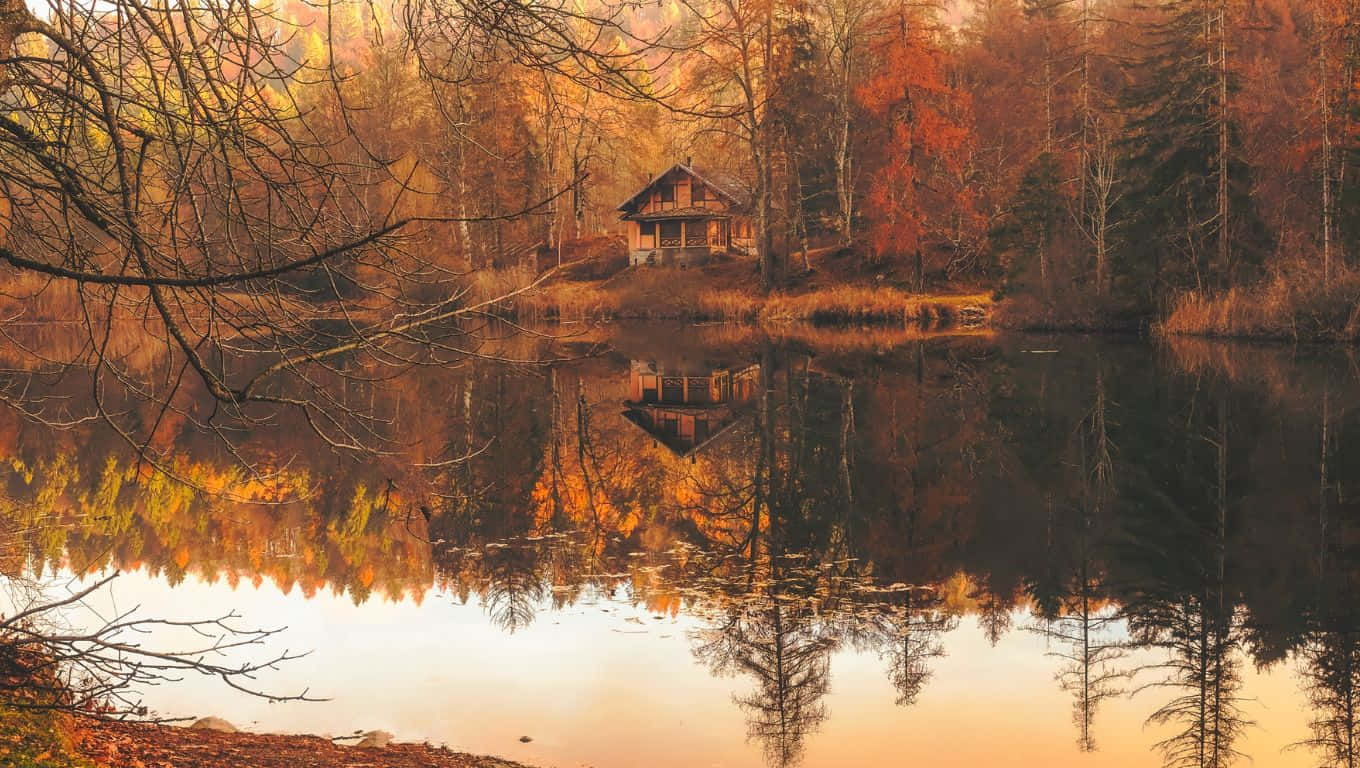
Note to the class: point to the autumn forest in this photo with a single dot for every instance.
(758, 383)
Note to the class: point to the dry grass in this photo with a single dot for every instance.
(885, 305)
(1294, 307)
(640, 294)
(726, 292)
(489, 283)
(595, 257)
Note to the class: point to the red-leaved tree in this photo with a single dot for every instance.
(917, 203)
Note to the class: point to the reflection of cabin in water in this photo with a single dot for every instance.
(686, 407)
(686, 215)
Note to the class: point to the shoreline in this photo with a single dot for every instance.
(654, 295)
(725, 291)
(840, 294)
(129, 744)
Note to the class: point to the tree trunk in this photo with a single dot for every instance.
(844, 188)
(845, 193)
(1326, 99)
(798, 219)
(1224, 230)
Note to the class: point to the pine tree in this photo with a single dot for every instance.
(1023, 237)
(1192, 222)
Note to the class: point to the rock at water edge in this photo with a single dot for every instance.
(213, 724)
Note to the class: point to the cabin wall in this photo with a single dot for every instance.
(684, 196)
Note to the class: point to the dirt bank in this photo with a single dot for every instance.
(143, 745)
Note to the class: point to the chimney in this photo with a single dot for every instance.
(689, 162)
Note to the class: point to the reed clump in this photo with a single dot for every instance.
(876, 305)
(1293, 307)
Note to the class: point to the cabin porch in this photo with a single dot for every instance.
(678, 241)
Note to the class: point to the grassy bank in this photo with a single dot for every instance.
(728, 291)
(1292, 307)
(1296, 308)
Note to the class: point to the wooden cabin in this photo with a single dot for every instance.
(687, 407)
(686, 215)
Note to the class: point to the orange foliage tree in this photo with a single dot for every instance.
(921, 127)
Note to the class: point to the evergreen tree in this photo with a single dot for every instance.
(1188, 197)
(1023, 237)
(1348, 190)
(798, 109)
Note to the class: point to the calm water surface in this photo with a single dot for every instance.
(700, 549)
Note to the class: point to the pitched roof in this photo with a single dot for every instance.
(677, 445)
(726, 184)
(729, 185)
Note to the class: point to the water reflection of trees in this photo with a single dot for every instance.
(1128, 499)
(1330, 638)
(912, 634)
(783, 649)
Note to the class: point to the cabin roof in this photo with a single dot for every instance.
(726, 184)
(673, 444)
(694, 212)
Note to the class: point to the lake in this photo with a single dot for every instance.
(691, 546)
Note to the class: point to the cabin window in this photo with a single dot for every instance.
(696, 194)
(667, 193)
(699, 390)
(647, 228)
(696, 234)
(670, 234)
(672, 390)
